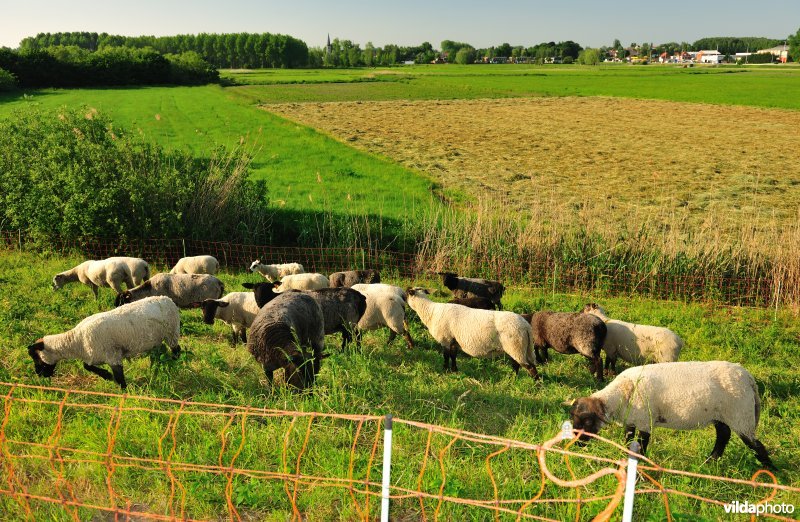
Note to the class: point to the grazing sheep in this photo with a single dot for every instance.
(183, 289)
(636, 343)
(282, 334)
(342, 308)
(111, 272)
(196, 265)
(480, 303)
(354, 277)
(479, 333)
(275, 272)
(680, 396)
(471, 287)
(569, 333)
(237, 309)
(303, 282)
(385, 307)
(109, 337)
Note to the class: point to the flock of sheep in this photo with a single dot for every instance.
(290, 314)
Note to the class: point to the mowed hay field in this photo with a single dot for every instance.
(613, 159)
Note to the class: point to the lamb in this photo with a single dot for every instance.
(471, 287)
(478, 333)
(386, 306)
(481, 303)
(354, 277)
(111, 272)
(109, 337)
(303, 282)
(680, 396)
(342, 308)
(196, 265)
(275, 272)
(636, 343)
(183, 289)
(238, 309)
(288, 333)
(569, 333)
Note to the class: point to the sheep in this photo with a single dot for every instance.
(478, 333)
(471, 287)
(342, 308)
(354, 277)
(282, 334)
(196, 265)
(238, 309)
(480, 303)
(680, 396)
(303, 282)
(636, 343)
(569, 333)
(275, 272)
(109, 337)
(386, 306)
(111, 272)
(183, 289)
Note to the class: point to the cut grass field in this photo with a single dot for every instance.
(483, 397)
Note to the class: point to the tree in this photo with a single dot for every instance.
(794, 46)
(616, 44)
(503, 50)
(465, 55)
(589, 57)
(369, 54)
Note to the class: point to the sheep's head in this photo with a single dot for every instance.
(42, 368)
(209, 307)
(264, 292)
(593, 307)
(254, 265)
(123, 298)
(587, 414)
(58, 281)
(449, 279)
(417, 291)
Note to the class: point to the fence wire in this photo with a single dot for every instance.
(72, 454)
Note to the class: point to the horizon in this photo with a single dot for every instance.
(513, 22)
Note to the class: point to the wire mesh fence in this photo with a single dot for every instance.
(543, 274)
(71, 454)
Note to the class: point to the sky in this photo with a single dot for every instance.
(410, 22)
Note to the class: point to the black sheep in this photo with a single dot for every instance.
(463, 287)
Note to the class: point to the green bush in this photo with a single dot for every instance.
(7, 81)
(72, 174)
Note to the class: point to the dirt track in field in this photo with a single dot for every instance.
(634, 156)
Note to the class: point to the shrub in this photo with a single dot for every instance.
(189, 68)
(8, 81)
(72, 174)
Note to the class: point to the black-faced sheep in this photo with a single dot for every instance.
(275, 272)
(680, 396)
(238, 309)
(473, 287)
(196, 265)
(183, 289)
(111, 273)
(354, 277)
(386, 307)
(289, 333)
(569, 333)
(636, 343)
(110, 337)
(480, 303)
(479, 333)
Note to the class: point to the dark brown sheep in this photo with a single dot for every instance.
(472, 287)
(354, 277)
(480, 303)
(569, 333)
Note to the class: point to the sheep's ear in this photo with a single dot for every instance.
(221, 303)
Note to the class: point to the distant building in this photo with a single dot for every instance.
(710, 57)
(781, 52)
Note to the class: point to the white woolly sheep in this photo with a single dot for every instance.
(386, 307)
(109, 337)
(183, 289)
(680, 396)
(111, 272)
(303, 282)
(275, 272)
(479, 333)
(237, 309)
(196, 265)
(636, 343)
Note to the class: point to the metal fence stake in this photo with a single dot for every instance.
(630, 483)
(387, 467)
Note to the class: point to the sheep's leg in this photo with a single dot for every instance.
(446, 355)
(243, 333)
(610, 365)
(541, 354)
(95, 290)
(119, 375)
(453, 353)
(723, 436)
(532, 371)
(105, 374)
(514, 366)
(630, 433)
(347, 338)
(392, 335)
(407, 337)
(644, 439)
(176, 351)
(760, 450)
(597, 366)
(234, 337)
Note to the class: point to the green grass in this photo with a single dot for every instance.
(483, 397)
(776, 87)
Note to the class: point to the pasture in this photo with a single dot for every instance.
(377, 379)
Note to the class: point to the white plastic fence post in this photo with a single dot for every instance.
(387, 466)
(630, 483)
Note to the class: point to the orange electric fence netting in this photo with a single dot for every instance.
(71, 454)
